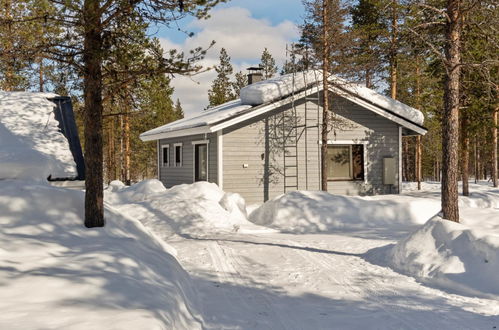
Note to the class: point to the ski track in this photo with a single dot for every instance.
(397, 300)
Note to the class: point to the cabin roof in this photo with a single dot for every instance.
(265, 96)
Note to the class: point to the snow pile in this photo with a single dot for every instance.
(190, 209)
(309, 212)
(279, 87)
(454, 256)
(31, 144)
(56, 274)
(138, 192)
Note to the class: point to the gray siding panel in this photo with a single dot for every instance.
(244, 144)
(171, 176)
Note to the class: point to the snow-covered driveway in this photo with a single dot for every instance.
(251, 277)
(282, 281)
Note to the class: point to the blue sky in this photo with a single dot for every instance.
(244, 28)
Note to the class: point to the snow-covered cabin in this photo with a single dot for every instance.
(39, 138)
(268, 142)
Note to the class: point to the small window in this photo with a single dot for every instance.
(165, 156)
(345, 162)
(177, 155)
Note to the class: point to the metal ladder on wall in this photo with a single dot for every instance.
(292, 135)
(290, 144)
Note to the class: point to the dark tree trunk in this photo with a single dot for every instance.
(92, 89)
(465, 149)
(325, 99)
(494, 147)
(450, 120)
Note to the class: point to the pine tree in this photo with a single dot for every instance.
(369, 30)
(240, 80)
(98, 26)
(267, 63)
(324, 33)
(221, 89)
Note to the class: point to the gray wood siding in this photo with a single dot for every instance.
(382, 137)
(171, 176)
(245, 144)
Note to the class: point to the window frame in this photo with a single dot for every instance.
(175, 162)
(350, 144)
(194, 143)
(167, 147)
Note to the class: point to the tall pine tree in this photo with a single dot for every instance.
(221, 90)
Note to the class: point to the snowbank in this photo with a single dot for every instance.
(450, 255)
(277, 88)
(190, 209)
(31, 144)
(309, 212)
(56, 274)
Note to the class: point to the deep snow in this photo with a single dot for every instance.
(56, 274)
(252, 278)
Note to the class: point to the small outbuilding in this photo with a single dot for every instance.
(268, 142)
(39, 139)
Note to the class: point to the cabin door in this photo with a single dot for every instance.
(200, 162)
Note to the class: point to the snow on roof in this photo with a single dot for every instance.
(31, 144)
(385, 102)
(205, 118)
(272, 90)
(278, 87)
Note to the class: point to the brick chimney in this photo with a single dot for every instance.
(254, 74)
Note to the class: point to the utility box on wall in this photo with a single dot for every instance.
(389, 171)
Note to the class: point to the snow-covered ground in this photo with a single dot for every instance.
(311, 265)
(56, 274)
(188, 257)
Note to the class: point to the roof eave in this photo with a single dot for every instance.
(176, 133)
(419, 130)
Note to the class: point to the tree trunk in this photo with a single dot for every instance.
(494, 146)
(475, 154)
(418, 161)
(450, 120)
(418, 138)
(393, 52)
(405, 159)
(465, 149)
(325, 95)
(92, 90)
(126, 132)
(40, 75)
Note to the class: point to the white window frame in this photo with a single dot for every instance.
(175, 145)
(162, 160)
(207, 142)
(350, 143)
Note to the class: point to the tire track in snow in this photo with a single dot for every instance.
(329, 265)
(260, 299)
(227, 273)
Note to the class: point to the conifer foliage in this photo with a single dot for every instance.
(221, 90)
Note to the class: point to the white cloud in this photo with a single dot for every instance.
(243, 36)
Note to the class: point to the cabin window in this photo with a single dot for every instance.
(165, 156)
(177, 154)
(345, 162)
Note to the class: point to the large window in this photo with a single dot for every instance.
(345, 162)
(177, 154)
(165, 155)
